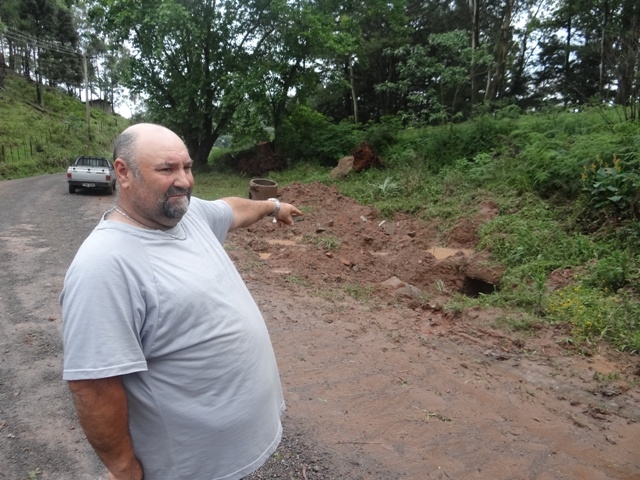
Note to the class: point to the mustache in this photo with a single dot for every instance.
(178, 191)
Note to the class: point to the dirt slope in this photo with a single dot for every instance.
(381, 387)
(392, 387)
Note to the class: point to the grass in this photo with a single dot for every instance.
(36, 140)
(532, 237)
(531, 167)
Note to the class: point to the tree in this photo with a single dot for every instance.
(191, 59)
(57, 65)
(9, 16)
(354, 58)
(433, 76)
(628, 55)
(285, 69)
(39, 20)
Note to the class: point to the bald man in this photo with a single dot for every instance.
(167, 356)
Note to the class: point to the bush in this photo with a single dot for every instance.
(383, 135)
(436, 147)
(309, 136)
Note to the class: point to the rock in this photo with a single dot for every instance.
(259, 160)
(402, 288)
(345, 165)
(480, 269)
(394, 283)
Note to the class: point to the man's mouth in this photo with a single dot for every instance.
(177, 193)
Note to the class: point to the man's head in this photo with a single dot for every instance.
(154, 172)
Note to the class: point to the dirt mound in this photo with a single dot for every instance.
(364, 157)
(344, 242)
(259, 160)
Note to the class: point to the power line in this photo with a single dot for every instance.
(19, 36)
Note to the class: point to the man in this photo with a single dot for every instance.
(167, 355)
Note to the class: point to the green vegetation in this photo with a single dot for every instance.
(44, 140)
(565, 184)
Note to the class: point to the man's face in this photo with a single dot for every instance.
(162, 193)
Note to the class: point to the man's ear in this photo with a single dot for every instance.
(123, 173)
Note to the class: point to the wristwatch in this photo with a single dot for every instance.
(276, 209)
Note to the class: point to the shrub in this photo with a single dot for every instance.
(610, 187)
(309, 136)
(382, 135)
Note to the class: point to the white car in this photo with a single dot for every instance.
(91, 172)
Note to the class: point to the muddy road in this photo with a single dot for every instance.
(381, 383)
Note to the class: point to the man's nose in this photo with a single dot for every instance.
(182, 179)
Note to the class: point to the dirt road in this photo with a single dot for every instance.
(380, 383)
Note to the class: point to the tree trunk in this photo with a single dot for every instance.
(199, 142)
(199, 150)
(475, 42)
(602, 80)
(567, 54)
(12, 55)
(26, 70)
(39, 96)
(354, 97)
(628, 61)
(495, 87)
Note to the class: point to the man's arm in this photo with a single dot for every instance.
(247, 212)
(102, 409)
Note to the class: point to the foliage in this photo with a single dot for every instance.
(34, 141)
(309, 136)
(383, 134)
(195, 62)
(610, 187)
(613, 271)
(438, 147)
(529, 167)
(594, 314)
(433, 76)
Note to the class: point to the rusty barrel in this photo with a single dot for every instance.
(262, 188)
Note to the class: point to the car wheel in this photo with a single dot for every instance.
(110, 189)
(72, 189)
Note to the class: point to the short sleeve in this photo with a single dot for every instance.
(103, 312)
(217, 214)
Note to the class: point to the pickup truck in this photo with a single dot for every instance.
(91, 172)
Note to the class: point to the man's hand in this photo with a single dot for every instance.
(246, 212)
(286, 214)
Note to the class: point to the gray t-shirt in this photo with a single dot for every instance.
(176, 321)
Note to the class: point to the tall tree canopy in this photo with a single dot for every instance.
(192, 59)
(208, 67)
